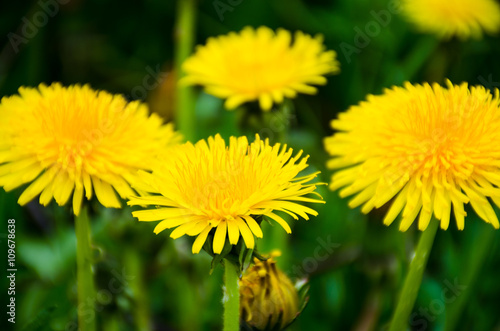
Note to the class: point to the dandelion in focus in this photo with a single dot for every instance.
(213, 190)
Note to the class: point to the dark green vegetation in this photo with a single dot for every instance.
(355, 264)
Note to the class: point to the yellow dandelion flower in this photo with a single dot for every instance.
(269, 300)
(211, 188)
(461, 18)
(75, 140)
(260, 65)
(432, 148)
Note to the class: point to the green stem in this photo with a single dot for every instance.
(231, 297)
(414, 62)
(133, 262)
(184, 37)
(85, 277)
(471, 269)
(420, 54)
(112, 323)
(413, 279)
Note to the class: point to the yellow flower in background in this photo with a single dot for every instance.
(269, 300)
(461, 18)
(68, 141)
(431, 148)
(212, 188)
(260, 65)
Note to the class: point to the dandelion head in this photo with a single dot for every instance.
(73, 141)
(461, 18)
(431, 149)
(260, 65)
(269, 300)
(214, 190)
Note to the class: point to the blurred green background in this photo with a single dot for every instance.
(354, 263)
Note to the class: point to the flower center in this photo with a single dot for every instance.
(72, 155)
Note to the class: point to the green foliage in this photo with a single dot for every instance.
(354, 263)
